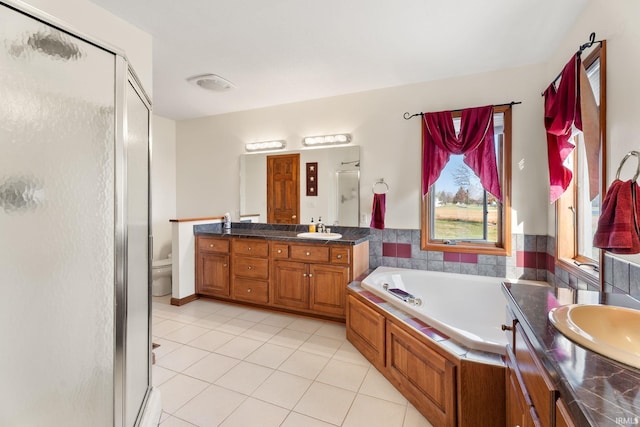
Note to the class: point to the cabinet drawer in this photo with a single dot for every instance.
(251, 290)
(257, 248)
(280, 250)
(210, 244)
(252, 268)
(536, 380)
(340, 255)
(309, 253)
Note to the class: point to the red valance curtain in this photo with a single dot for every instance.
(475, 141)
(561, 119)
(570, 108)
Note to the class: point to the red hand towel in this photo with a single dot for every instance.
(616, 230)
(378, 210)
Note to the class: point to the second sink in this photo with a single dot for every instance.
(608, 330)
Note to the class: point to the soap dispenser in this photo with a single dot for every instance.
(312, 226)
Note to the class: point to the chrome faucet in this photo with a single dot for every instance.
(227, 221)
(320, 227)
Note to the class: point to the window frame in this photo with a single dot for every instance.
(567, 245)
(503, 244)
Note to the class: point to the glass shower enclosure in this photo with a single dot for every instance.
(74, 226)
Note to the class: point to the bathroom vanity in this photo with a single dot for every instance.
(269, 266)
(551, 381)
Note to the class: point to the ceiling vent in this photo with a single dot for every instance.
(211, 82)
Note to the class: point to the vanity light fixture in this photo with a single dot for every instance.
(265, 146)
(341, 138)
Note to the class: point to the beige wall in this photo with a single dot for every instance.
(163, 184)
(208, 148)
(91, 20)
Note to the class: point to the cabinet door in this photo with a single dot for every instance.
(212, 274)
(328, 288)
(517, 407)
(290, 284)
(366, 331)
(424, 376)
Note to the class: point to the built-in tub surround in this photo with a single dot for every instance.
(533, 258)
(444, 379)
(401, 248)
(469, 309)
(598, 390)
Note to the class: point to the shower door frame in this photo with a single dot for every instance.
(124, 75)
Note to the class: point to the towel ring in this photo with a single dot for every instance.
(624, 159)
(380, 182)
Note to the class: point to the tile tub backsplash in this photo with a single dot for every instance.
(533, 258)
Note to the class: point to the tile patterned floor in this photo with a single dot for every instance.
(227, 365)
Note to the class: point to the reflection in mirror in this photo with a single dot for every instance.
(337, 198)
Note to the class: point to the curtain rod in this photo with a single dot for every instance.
(591, 42)
(407, 116)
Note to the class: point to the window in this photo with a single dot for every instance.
(577, 212)
(458, 214)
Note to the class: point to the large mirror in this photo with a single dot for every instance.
(336, 185)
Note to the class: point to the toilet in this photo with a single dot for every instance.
(161, 276)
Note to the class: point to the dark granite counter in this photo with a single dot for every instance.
(599, 391)
(282, 232)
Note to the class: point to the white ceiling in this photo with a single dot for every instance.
(281, 51)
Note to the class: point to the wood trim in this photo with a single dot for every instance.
(503, 245)
(476, 406)
(185, 300)
(197, 219)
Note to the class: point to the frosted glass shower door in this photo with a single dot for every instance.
(56, 226)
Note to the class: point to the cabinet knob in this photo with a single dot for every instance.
(249, 290)
(310, 275)
(211, 245)
(304, 274)
(249, 268)
(308, 253)
(224, 265)
(294, 216)
(279, 251)
(506, 328)
(339, 257)
(249, 248)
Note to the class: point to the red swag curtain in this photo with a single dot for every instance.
(475, 141)
(562, 116)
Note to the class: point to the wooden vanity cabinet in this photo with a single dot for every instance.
(311, 277)
(250, 270)
(212, 266)
(563, 417)
(532, 397)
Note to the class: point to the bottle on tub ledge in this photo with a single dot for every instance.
(312, 226)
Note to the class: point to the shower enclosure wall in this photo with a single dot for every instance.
(74, 221)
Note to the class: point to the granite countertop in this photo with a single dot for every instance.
(282, 232)
(599, 391)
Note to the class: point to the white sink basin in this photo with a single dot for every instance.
(608, 330)
(320, 236)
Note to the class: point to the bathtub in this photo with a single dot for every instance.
(469, 309)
